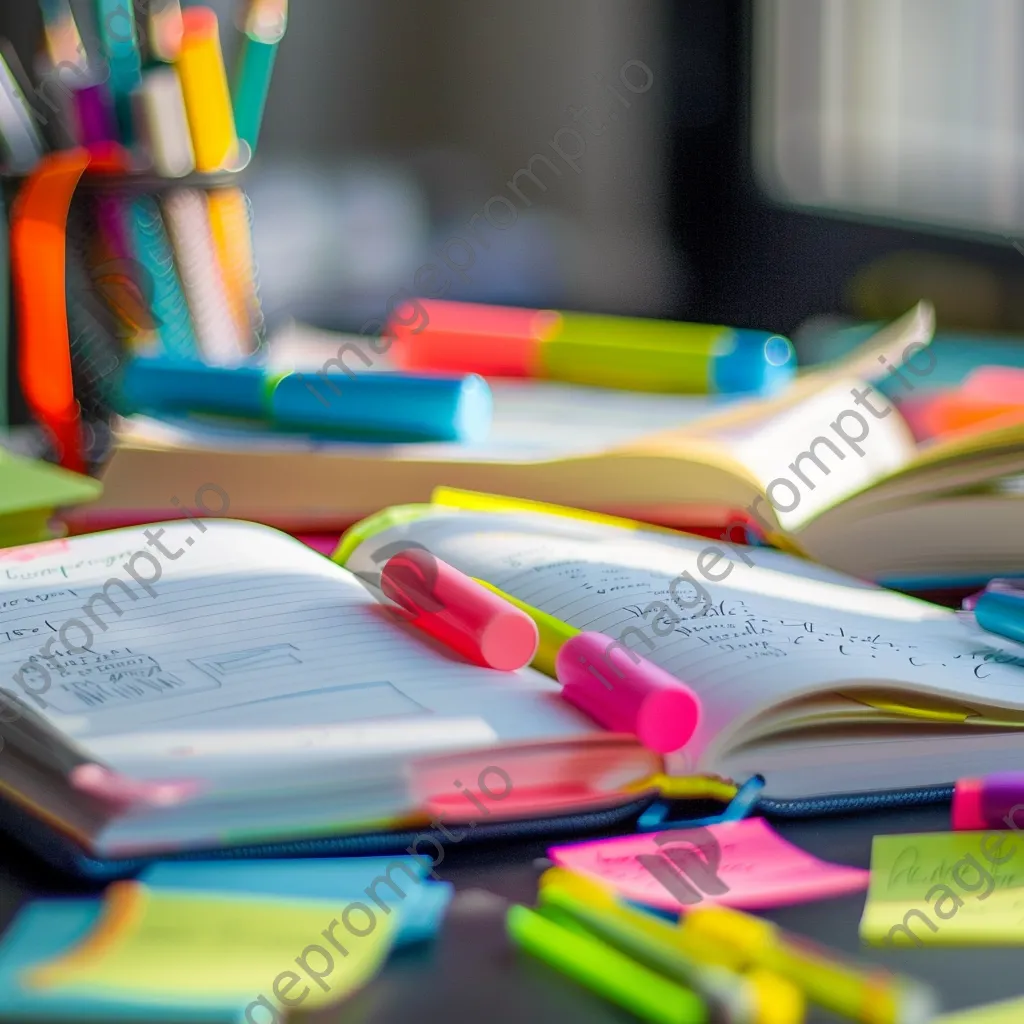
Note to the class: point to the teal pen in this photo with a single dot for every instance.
(1001, 613)
(172, 319)
(119, 40)
(263, 29)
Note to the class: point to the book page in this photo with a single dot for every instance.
(744, 636)
(233, 641)
(822, 450)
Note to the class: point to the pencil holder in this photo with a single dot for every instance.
(106, 264)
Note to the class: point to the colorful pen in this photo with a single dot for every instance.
(1001, 612)
(165, 29)
(993, 802)
(19, 137)
(617, 688)
(757, 997)
(263, 28)
(870, 995)
(608, 351)
(163, 123)
(187, 216)
(170, 313)
(205, 86)
(119, 39)
(605, 970)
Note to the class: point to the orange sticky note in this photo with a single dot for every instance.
(744, 864)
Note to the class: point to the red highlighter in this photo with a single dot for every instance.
(456, 610)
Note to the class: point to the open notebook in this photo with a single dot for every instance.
(270, 684)
(819, 682)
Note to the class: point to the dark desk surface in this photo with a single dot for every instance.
(471, 974)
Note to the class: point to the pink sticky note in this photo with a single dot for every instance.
(744, 864)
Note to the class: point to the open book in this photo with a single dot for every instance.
(229, 686)
(817, 469)
(819, 682)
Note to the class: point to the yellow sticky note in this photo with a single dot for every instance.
(1009, 1012)
(175, 947)
(946, 888)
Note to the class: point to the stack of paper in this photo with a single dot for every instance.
(29, 494)
(218, 942)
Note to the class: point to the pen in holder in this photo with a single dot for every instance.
(107, 263)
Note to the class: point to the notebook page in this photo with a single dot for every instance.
(244, 629)
(763, 634)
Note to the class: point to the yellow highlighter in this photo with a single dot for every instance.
(756, 997)
(204, 83)
(869, 995)
(478, 501)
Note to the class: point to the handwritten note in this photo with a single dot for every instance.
(744, 864)
(945, 888)
(748, 630)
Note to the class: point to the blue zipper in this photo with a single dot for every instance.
(852, 803)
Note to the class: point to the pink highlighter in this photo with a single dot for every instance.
(625, 692)
(459, 612)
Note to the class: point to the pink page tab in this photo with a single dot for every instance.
(744, 864)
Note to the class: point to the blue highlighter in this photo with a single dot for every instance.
(372, 406)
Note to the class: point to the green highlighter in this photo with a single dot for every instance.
(605, 970)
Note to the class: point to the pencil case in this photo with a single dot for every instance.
(105, 264)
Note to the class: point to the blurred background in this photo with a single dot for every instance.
(793, 164)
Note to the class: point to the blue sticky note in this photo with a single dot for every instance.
(45, 929)
(397, 883)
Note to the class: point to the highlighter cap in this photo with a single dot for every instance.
(467, 337)
(752, 361)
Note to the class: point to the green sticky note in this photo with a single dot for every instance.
(179, 946)
(29, 493)
(26, 484)
(946, 888)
